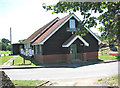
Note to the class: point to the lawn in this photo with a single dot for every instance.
(5, 52)
(108, 57)
(27, 82)
(4, 59)
(18, 61)
(104, 55)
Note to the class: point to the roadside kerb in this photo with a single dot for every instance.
(4, 55)
(54, 66)
(42, 84)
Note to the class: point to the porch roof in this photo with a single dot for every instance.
(72, 39)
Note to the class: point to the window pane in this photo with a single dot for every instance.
(72, 23)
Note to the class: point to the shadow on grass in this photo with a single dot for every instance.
(24, 64)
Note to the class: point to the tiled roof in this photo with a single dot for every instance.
(39, 31)
(51, 29)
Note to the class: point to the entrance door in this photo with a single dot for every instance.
(73, 51)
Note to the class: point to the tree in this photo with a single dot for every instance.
(6, 41)
(109, 15)
(20, 41)
(9, 47)
(3, 46)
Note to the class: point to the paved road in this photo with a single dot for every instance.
(96, 70)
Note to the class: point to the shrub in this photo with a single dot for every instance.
(9, 47)
(113, 48)
(4, 46)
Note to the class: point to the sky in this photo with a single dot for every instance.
(25, 17)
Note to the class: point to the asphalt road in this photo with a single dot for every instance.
(96, 70)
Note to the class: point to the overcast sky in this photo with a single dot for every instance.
(25, 17)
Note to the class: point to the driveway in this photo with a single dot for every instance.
(90, 71)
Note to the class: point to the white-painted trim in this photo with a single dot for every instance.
(73, 15)
(37, 44)
(45, 29)
(40, 50)
(99, 41)
(86, 44)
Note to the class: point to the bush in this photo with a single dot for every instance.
(4, 46)
(9, 47)
(113, 48)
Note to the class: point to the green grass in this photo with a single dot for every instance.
(5, 52)
(18, 61)
(27, 82)
(4, 59)
(104, 55)
(108, 57)
(100, 80)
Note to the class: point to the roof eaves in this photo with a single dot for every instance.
(73, 39)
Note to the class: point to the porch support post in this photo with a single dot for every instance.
(84, 54)
(85, 57)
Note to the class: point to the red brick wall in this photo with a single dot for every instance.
(92, 55)
(54, 58)
(68, 58)
(79, 55)
(64, 57)
(38, 58)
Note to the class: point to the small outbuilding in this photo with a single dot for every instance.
(16, 47)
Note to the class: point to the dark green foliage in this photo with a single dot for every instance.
(4, 46)
(9, 47)
(109, 15)
(20, 41)
(6, 41)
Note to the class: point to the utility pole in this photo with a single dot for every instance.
(10, 36)
(11, 39)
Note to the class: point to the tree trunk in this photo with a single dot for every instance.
(119, 46)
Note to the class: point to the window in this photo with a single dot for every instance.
(72, 23)
(38, 49)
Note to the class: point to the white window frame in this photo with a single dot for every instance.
(40, 49)
(36, 52)
(72, 23)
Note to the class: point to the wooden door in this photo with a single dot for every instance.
(74, 51)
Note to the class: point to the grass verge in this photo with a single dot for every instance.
(4, 59)
(5, 52)
(27, 82)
